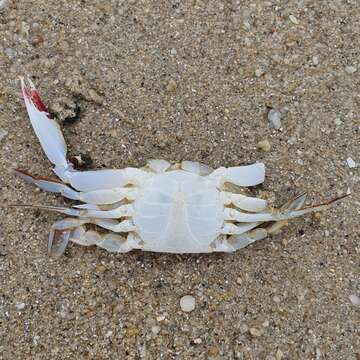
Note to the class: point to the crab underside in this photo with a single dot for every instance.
(178, 208)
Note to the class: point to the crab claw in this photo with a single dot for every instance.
(52, 141)
(46, 129)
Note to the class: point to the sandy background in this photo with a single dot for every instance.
(185, 80)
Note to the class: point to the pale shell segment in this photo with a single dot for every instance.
(178, 212)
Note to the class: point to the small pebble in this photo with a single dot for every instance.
(259, 72)
(292, 140)
(276, 299)
(9, 52)
(213, 351)
(20, 306)
(337, 121)
(155, 329)
(349, 69)
(36, 339)
(266, 324)
(315, 60)
(187, 303)
(350, 162)
(95, 97)
(132, 332)
(279, 355)
(255, 332)
(264, 145)
(300, 162)
(3, 133)
(3, 251)
(274, 117)
(3, 3)
(161, 317)
(244, 328)
(198, 341)
(293, 19)
(355, 300)
(171, 86)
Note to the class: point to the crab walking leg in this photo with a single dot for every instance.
(59, 238)
(60, 234)
(244, 202)
(239, 241)
(98, 197)
(109, 242)
(276, 215)
(232, 229)
(115, 226)
(249, 175)
(293, 206)
(85, 212)
(196, 168)
(50, 185)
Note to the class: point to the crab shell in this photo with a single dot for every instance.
(181, 208)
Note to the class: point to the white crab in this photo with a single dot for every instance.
(181, 208)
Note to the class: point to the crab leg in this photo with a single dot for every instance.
(86, 212)
(109, 242)
(99, 197)
(243, 202)
(281, 214)
(293, 204)
(60, 234)
(52, 142)
(249, 175)
(47, 184)
(67, 230)
(232, 229)
(115, 226)
(293, 208)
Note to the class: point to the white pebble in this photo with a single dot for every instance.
(315, 60)
(292, 140)
(20, 306)
(276, 299)
(187, 303)
(350, 69)
(155, 329)
(3, 3)
(274, 117)
(197, 341)
(3, 133)
(259, 72)
(355, 300)
(255, 332)
(293, 19)
(161, 317)
(350, 162)
(337, 121)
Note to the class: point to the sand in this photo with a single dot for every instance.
(190, 80)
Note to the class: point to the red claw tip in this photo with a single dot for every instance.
(37, 101)
(33, 96)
